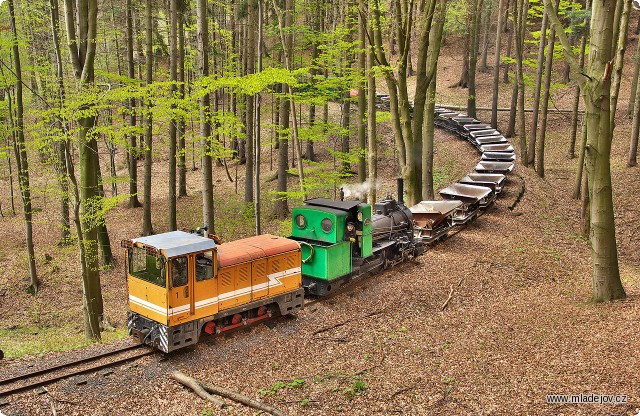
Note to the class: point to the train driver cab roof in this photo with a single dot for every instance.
(176, 243)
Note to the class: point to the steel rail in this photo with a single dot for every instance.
(144, 351)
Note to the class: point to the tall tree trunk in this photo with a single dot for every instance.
(249, 125)
(21, 154)
(282, 135)
(596, 89)
(147, 227)
(82, 50)
(435, 41)
(473, 56)
(536, 95)
(281, 206)
(205, 127)
(372, 156)
(284, 22)
(182, 150)
(258, 102)
(173, 124)
(576, 102)
(620, 46)
(463, 82)
(103, 234)
(520, 17)
(513, 110)
(408, 131)
(346, 133)
(362, 99)
(65, 224)
(496, 68)
(634, 79)
(132, 151)
(486, 28)
(632, 159)
(539, 160)
(585, 215)
(505, 75)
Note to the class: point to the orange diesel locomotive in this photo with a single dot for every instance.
(181, 284)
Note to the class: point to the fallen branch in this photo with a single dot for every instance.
(446, 302)
(194, 385)
(203, 389)
(403, 390)
(241, 398)
(520, 193)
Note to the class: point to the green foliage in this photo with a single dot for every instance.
(39, 339)
(280, 385)
(356, 387)
(456, 20)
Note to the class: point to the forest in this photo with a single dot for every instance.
(131, 118)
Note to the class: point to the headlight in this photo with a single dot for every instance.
(327, 225)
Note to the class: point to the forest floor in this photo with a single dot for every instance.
(518, 327)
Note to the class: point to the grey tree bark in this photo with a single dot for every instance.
(576, 102)
(205, 128)
(182, 150)
(548, 66)
(520, 18)
(496, 68)
(21, 153)
(250, 116)
(596, 90)
(82, 50)
(173, 123)
(60, 146)
(536, 95)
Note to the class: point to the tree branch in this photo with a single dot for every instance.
(571, 57)
(72, 38)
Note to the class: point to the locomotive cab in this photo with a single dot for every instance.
(335, 237)
(169, 276)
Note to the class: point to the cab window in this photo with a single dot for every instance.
(204, 266)
(146, 267)
(179, 271)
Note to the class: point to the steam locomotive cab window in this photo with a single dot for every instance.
(204, 266)
(146, 267)
(327, 225)
(301, 221)
(180, 271)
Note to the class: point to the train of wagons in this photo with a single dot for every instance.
(182, 285)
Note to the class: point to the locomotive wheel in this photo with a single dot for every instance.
(262, 310)
(237, 318)
(210, 327)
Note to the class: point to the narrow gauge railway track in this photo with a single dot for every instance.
(44, 376)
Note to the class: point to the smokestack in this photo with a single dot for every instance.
(400, 190)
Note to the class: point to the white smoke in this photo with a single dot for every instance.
(357, 190)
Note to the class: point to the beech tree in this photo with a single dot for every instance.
(595, 87)
(134, 201)
(408, 130)
(81, 24)
(20, 150)
(173, 123)
(205, 127)
(147, 226)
